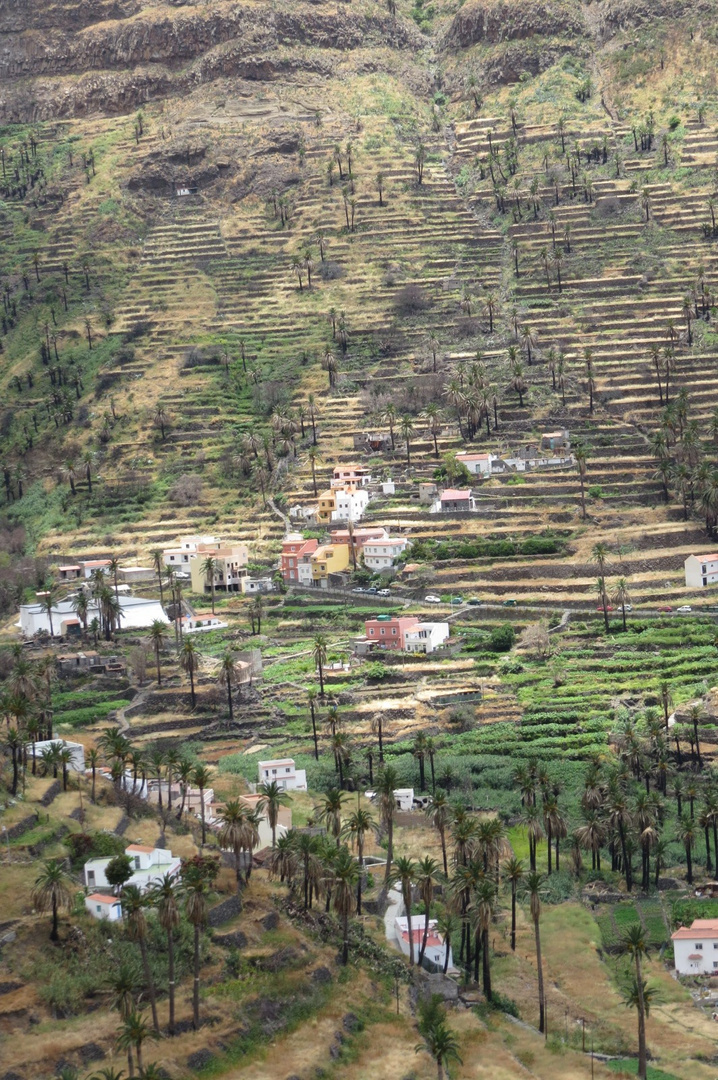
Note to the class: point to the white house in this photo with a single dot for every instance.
(695, 948)
(200, 624)
(349, 504)
(382, 553)
(701, 570)
(252, 586)
(136, 613)
(179, 557)
(404, 797)
(435, 947)
(149, 865)
(284, 772)
(77, 761)
(476, 463)
(426, 637)
(102, 906)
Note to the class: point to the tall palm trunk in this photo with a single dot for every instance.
(542, 1000)
(345, 938)
(407, 905)
(486, 967)
(195, 988)
(513, 916)
(150, 984)
(171, 973)
(642, 1062)
(130, 1063)
(389, 849)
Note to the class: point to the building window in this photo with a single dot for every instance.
(98, 908)
(287, 770)
(699, 946)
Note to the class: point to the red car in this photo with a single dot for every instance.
(665, 607)
(609, 607)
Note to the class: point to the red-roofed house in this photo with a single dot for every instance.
(456, 500)
(101, 906)
(701, 570)
(476, 462)
(695, 948)
(390, 633)
(435, 947)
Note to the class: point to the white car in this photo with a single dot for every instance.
(432, 599)
(384, 592)
(685, 610)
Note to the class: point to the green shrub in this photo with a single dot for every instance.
(502, 637)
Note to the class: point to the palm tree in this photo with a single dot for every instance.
(158, 564)
(313, 456)
(312, 695)
(513, 873)
(48, 598)
(534, 883)
(319, 651)
(635, 946)
(158, 637)
(196, 891)
(330, 812)
(621, 598)
(355, 829)
(438, 812)
(272, 800)
(686, 835)
(202, 778)
(165, 897)
(599, 555)
(448, 926)
(232, 833)
(428, 876)
(133, 1033)
(209, 569)
(345, 875)
(81, 606)
(134, 905)
(390, 415)
(51, 892)
(404, 874)
(228, 671)
(388, 780)
(442, 1044)
(580, 458)
(406, 427)
(481, 914)
(189, 662)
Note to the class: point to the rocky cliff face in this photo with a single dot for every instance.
(124, 58)
(496, 21)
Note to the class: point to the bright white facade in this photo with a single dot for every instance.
(179, 556)
(435, 947)
(349, 504)
(284, 772)
(701, 570)
(477, 464)
(136, 613)
(404, 797)
(102, 906)
(381, 554)
(149, 865)
(426, 637)
(695, 948)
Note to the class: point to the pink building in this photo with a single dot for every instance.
(388, 632)
(295, 555)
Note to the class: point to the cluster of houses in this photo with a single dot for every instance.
(307, 562)
(553, 452)
(401, 633)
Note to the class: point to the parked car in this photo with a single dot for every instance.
(430, 599)
(509, 603)
(457, 600)
(358, 590)
(665, 607)
(609, 607)
(685, 609)
(384, 592)
(628, 607)
(373, 590)
(474, 600)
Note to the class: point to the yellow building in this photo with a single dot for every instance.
(328, 559)
(327, 506)
(230, 566)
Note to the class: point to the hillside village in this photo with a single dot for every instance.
(358, 580)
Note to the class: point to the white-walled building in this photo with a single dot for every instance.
(349, 504)
(284, 772)
(476, 463)
(149, 865)
(179, 556)
(695, 948)
(136, 613)
(382, 553)
(230, 566)
(426, 637)
(103, 906)
(435, 947)
(701, 570)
